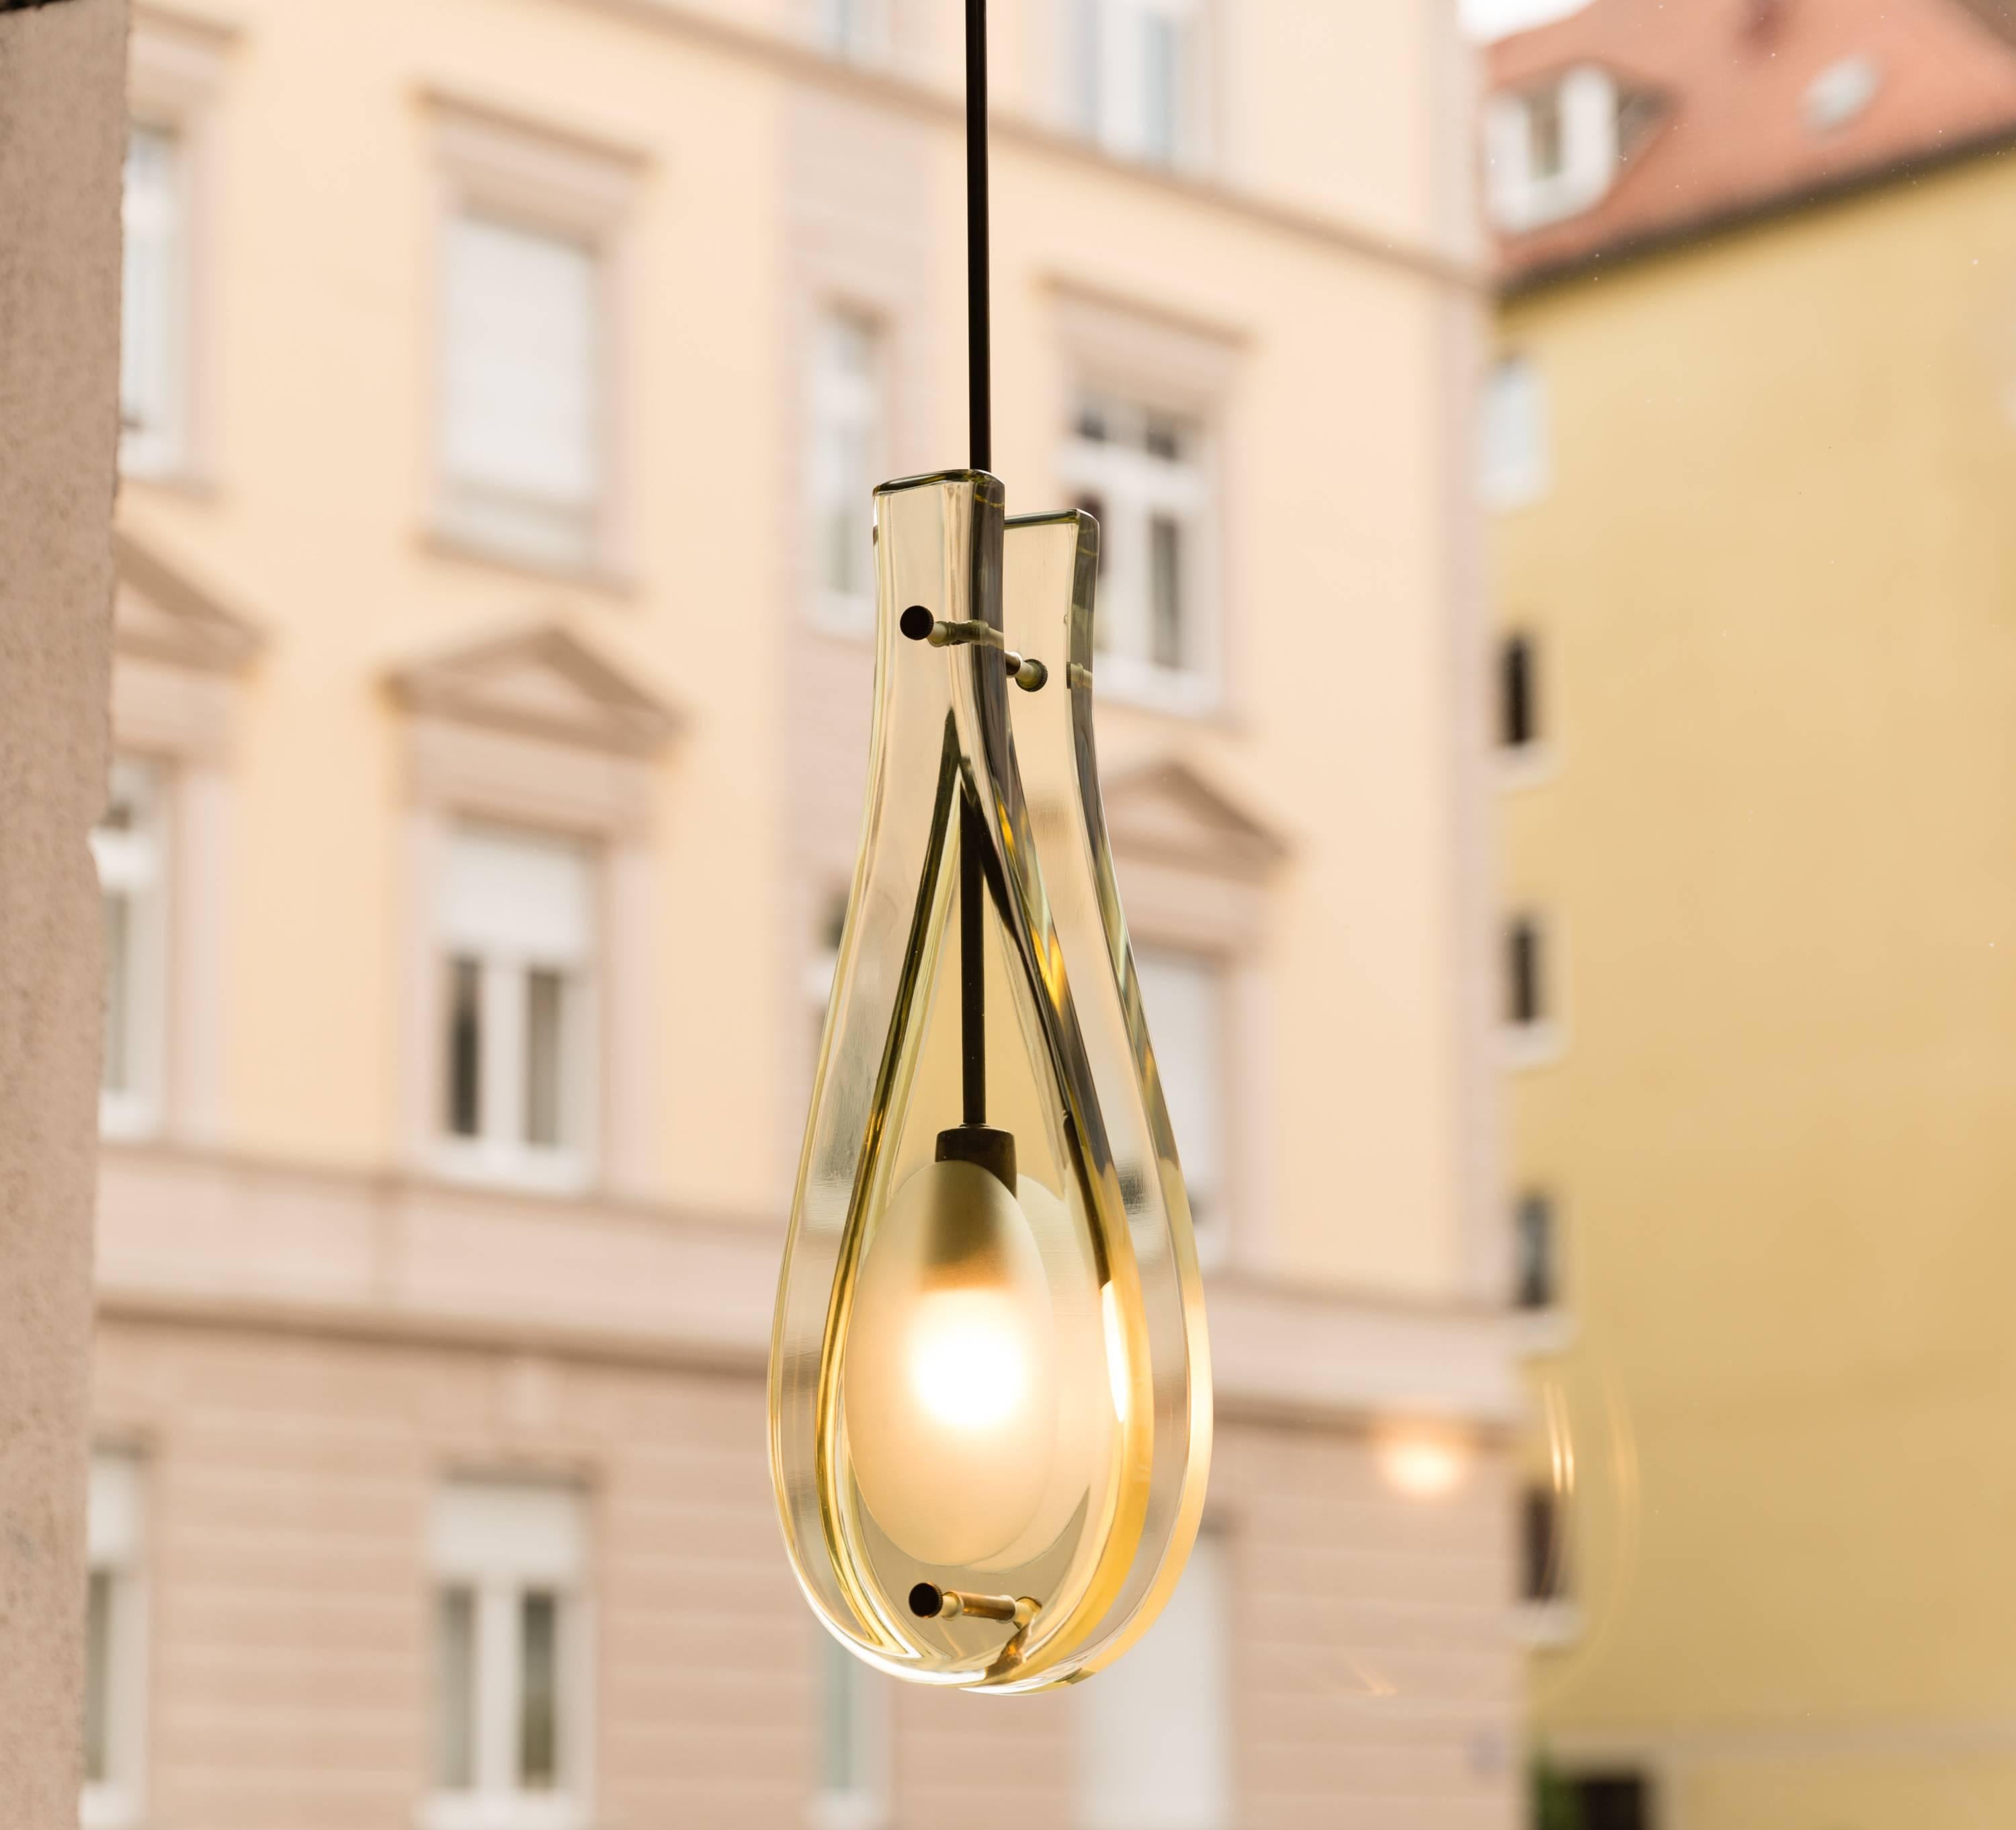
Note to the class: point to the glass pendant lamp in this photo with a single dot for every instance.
(990, 1410)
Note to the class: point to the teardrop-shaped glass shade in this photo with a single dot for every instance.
(988, 1383)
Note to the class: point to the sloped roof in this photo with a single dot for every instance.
(1733, 132)
(1168, 809)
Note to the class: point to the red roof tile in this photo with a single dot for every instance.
(1728, 128)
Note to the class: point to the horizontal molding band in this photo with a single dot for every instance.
(205, 1238)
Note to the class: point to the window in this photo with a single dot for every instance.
(1536, 1278)
(1543, 1559)
(1518, 694)
(1134, 67)
(848, 441)
(1184, 995)
(115, 1655)
(1525, 973)
(854, 1743)
(510, 1740)
(1553, 151)
(1141, 473)
(153, 340)
(129, 844)
(853, 29)
(1612, 1801)
(1154, 1731)
(518, 921)
(523, 435)
(1514, 465)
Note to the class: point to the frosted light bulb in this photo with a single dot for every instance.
(950, 1379)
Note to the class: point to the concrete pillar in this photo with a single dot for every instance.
(62, 139)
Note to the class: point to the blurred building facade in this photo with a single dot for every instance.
(504, 383)
(1752, 439)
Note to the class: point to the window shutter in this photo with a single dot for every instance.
(512, 896)
(522, 365)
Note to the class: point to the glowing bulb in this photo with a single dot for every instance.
(950, 1382)
(969, 1361)
(1117, 1374)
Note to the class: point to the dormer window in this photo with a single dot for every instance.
(1553, 149)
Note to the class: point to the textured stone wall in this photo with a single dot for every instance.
(62, 134)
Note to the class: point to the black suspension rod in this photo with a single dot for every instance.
(980, 427)
(972, 967)
(979, 330)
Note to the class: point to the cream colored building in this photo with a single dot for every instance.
(504, 383)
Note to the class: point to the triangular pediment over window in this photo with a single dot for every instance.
(161, 615)
(1169, 811)
(541, 681)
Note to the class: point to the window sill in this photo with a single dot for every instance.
(850, 619)
(846, 1810)
(1538, 1332)
(1122, 681)
(175, 476)
(1524, 1046)
(476, 1810)
(1530, 765)
(108, 1807)
(521, 1172)
(592, 574)
(1546, 1626)
(127, 1119)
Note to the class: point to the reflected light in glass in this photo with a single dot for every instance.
(1423, 1467)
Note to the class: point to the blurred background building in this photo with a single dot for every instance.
(504, 383)
(1751, 437)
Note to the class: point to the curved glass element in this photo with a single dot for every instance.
(989, 1402)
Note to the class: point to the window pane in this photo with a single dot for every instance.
(1525, 991)
(1542, 1562)
(539, 1695)
(1166, 632)
(521, 443)
(1154, 1731)
(1534, 1275)
(1518, 717)
(454, 1694)
(150, 324)
(1182, 995)
(98, 1677)
(545, 1056)
(465, 1047)
(1161, 75)
(847, 437)
(840, 1761)
(116, 1073)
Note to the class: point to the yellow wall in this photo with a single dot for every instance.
(1775, 581)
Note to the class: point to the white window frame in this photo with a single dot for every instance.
(174, 76)
(1101, 1738)
(1132, 489)
(136, 863)
(115, 1549)
(502, 1539)
(857, 31)
(1213, 1228)
(1515, 457)
(498, 1152)
(1106, 85)
(498, 169)
(1535, 762)
(1522, 196)
(863, 400)
(864, 1805)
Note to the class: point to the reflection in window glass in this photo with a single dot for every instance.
(454, 1680)
(538, 1692)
